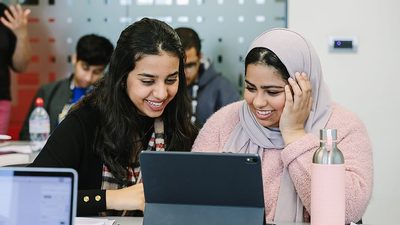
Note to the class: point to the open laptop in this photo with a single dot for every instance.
(202, 188)
(37, 196)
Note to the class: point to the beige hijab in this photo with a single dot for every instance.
(249, 136)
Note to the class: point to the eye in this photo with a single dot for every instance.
(171, 80)
(98, 72)
(147, 82)
(250, 88)
(274, 93)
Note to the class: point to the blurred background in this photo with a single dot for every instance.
(362, 74)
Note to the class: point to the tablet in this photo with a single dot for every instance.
(202, 188)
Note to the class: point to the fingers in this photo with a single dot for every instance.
(288, 94)
(302, 90)
(15, 16)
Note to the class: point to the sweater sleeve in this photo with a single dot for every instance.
(68, 147)
(355, 145)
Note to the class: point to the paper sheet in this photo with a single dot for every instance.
(93, 221)
(16, 146)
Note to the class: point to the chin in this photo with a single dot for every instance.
(154, 114)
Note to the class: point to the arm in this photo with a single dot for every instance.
(71, 146)
(353, 141)
(17, 21)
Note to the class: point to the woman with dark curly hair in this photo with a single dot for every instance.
(141, 104)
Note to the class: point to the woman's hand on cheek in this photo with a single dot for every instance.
(129, 198)
(297, 108)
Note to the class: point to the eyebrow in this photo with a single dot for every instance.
(152, 76)
(263, 86)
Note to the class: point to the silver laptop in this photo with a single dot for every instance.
(37, 196)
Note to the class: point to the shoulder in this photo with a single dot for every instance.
(55, 85)
(85, 112)
(226, 116)
(344, 119)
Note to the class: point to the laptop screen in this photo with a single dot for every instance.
(37, 196)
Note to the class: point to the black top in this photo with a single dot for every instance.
(7, 47)
(71, 146)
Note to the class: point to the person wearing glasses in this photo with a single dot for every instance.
(208, 89)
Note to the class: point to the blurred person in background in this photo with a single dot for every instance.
(93, 53)
(15, 53)
(208, 89)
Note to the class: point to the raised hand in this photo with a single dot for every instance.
(16, 19)
(297, 108)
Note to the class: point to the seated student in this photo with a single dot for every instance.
(209, 90)
(92, 55)
(141, 104)
(286, 104)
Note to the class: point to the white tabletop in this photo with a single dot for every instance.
(139, 221)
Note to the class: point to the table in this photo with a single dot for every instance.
(139, 221)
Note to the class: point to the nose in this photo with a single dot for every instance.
(88, 77)
(160, 92)
(259, 100)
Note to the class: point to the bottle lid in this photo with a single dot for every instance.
(39, 102)
(328, 134)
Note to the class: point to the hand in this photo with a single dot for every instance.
(16, 20)
(129, 198)
(297, 108)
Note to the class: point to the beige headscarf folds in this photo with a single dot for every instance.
(249, 136)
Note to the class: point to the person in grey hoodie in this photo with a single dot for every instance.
(209, 90)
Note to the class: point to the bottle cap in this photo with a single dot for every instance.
(39, 102)
(328, 134)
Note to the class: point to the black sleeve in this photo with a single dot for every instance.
(91, 202)
(70, 146)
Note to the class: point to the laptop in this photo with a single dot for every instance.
(37, 196)
(202, 188)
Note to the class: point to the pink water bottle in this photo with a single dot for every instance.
(328, 182)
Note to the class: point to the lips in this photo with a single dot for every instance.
(155, 105)
(263, 114)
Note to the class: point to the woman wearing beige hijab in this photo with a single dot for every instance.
(286, 103)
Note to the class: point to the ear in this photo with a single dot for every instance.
(74, 58)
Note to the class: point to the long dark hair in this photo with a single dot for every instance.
(121, 135)
(264, 56)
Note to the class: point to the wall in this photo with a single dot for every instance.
(56, 26)
(366, 82)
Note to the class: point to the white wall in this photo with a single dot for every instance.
(367, 82)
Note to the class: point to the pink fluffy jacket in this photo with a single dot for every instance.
(353, 141)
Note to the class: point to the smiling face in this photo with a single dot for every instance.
(265, 93)
(153, 83)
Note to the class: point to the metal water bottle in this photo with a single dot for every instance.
(328, 182)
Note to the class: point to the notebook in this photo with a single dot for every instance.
(202, 188)
(37, 196)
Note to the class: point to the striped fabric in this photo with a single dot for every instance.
(156, 143)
